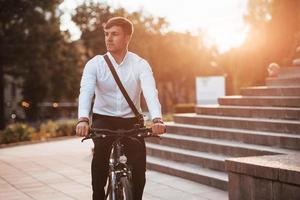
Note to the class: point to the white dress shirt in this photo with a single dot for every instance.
(135, 74)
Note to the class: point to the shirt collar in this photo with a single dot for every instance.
(114, 61)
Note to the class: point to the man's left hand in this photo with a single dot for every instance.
(158, 127)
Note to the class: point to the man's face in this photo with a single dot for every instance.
(115, 39)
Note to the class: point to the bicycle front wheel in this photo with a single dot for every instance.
(125, 189)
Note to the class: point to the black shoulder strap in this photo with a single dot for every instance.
(121, 87)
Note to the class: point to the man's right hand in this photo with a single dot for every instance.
(82, 129)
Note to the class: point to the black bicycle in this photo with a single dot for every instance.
(119, 178)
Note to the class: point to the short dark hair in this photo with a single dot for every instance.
(124, 23)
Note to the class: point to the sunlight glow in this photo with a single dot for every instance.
(221, 21)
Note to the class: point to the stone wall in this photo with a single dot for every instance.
(275, 177)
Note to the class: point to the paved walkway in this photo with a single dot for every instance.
(60, 170)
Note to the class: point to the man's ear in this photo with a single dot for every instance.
(128, 38)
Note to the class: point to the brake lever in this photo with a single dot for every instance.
(150, 135)
(86, 137)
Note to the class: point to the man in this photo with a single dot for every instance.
(110, 109)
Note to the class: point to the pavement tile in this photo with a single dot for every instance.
(167, 192)
(70, 187)
(49, 177)
(14, 196)
(147, 196)
(215, 195)
(29, 185)
(186, 185)
(60, 170)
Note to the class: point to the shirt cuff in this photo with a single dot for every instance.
(155, 114)
(83, 113)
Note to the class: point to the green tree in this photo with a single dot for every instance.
(273, 36)
(34, 48)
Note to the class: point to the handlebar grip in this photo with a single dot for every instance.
(86, 138)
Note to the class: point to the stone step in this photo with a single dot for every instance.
(203, 159)
(289, 72)
(271, 139)
(189, 171)
(250, 111)
(271, 125)
(271, 91)
(216, 146)
(286, 101)
(283, 81)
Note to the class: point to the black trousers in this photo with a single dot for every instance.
(135, 152)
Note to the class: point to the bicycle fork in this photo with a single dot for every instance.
(113, 182)
(117, 169)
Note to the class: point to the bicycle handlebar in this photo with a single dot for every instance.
(103, 133)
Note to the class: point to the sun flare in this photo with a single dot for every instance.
(221, 21)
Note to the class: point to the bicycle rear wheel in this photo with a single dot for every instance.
(125, 189)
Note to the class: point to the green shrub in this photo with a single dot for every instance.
(48, 129)
(1, 137)
(22, 132)
(16, 133)
(66, 127)
(185, 108)
(60, 128)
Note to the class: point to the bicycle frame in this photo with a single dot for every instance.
(119, 177)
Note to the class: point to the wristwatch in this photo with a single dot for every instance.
(157, 120)
(83, 119)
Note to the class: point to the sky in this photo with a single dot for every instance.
(221, 21)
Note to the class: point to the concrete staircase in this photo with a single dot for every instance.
(264, 120)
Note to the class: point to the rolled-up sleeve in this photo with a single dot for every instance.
(149, 90)
(87, 88)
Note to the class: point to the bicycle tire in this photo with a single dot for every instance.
(125, 189)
